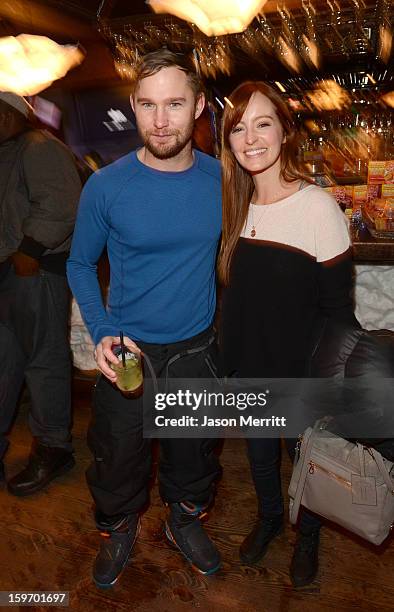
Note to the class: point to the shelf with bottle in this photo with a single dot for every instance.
(341, 144)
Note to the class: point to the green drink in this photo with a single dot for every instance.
(129, 377)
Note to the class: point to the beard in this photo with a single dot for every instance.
(168, 150)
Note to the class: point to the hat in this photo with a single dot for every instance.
(17, 102)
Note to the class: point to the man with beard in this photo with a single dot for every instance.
(158, 211)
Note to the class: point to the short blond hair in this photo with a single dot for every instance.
(153, 62)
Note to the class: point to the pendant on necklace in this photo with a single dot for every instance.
(253, 232)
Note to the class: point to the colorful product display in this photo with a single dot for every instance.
(375, 200)
(378, 212)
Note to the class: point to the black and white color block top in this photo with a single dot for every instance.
(309, 220)
(294, 271)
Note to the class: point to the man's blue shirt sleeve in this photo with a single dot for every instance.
(90, 237)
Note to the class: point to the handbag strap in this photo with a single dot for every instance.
(295, 506)
(382, 469)
(361, 457)
(152, 372)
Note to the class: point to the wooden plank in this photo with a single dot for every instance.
(49, 543)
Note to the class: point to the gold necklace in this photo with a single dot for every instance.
(281, 197)
(254, 225)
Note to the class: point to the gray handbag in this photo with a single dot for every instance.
(347, 483)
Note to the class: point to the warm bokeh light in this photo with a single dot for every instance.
(328, 95)
(311, 51)
(213, 17)
(388, 98)
(312, 126)
(385, 43)
(288, 55)
(29, 64)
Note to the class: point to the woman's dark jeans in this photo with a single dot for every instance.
(264, 457)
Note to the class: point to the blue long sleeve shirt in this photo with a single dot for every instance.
(161, 230)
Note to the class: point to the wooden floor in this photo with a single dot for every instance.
(49, 541)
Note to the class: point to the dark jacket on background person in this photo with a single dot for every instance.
(359, 392)
(39, 193)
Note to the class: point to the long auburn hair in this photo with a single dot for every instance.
(237, 183)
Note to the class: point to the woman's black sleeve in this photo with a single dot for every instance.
(335, 280)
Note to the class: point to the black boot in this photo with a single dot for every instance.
(305, 561)
(45, 464)
(116, 545)
(183, 529)
(255, 545)
(2, 473)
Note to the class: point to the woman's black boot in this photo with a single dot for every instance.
(255, 545)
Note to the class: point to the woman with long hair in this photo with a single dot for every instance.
(285, 262)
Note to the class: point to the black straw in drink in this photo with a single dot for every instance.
(122, 348)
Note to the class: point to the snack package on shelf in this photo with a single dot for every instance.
(373, 191)
(378, 214)
(360, 196)
(378, 209)
(388, 191)
(376, 172)
(344, 196)
(389, 173)
(380, 172)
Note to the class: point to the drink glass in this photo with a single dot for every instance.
(129, 377)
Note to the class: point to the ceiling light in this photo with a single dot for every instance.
(213, 17)
(29, 64)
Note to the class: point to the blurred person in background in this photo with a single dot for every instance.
(285, 261)
(158, 212)
(202, 134)
(39, 191)
(90, 163)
